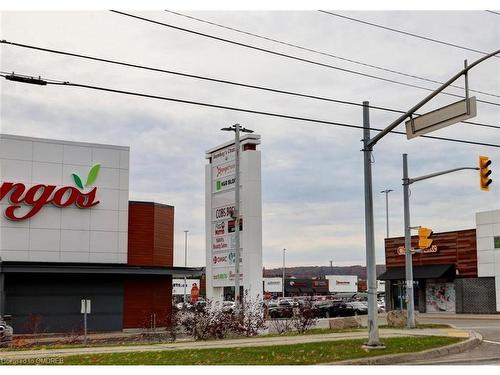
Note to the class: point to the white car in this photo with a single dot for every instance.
(228, 306)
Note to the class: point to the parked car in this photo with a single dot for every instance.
(228, 306)
(183, 306)
(6, 333)
(283, 309)
(334, 309)
(358, 308)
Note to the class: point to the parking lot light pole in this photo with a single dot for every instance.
(387, 191)
(237, 129)
(185, 263)
(283, 281)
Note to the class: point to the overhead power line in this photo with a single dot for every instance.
(309, 96)
(245, 110)
(238, 84)
(293, 57)
(405, 33)
(491, 11)
(326, 53)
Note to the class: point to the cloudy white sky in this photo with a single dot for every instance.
(311, 173)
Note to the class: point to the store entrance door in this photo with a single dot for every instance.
(399, 295)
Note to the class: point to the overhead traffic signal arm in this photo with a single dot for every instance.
(484, 173)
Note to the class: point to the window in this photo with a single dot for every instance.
(496, 242)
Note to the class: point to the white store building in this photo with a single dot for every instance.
(488, 247)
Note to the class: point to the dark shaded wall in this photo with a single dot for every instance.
(475, 295)
(51, 303)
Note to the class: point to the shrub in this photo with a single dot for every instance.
(305, 316)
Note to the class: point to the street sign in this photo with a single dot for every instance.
(440, 118)
(85, 310)
(85, 306)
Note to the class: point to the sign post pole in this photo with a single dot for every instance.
(85, 309)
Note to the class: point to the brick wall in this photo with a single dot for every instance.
(458, 248)
(150, 234)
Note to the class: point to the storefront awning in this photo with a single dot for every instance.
(97, 268)
(434, 271)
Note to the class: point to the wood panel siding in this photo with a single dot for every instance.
(147, 300)
(458, 248)
(150, 234)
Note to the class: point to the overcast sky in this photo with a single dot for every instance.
(312, 181)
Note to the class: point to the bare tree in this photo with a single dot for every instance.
(305, 316)
(250, 320)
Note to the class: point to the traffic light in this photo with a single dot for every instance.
(424, 242)
(484, 173)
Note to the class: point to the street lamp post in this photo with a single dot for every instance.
(283, 281)
(236, 128)
(387, 191)
(185, 263)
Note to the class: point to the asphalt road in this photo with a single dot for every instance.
(487, 353)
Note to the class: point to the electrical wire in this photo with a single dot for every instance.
(293, 57)
(405, 33)
(493, 12)
(239, 84)
(256, 112)
(326, 53)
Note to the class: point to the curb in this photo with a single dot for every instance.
(462, 317)
(393, 359)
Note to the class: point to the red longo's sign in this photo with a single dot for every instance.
(38, 196)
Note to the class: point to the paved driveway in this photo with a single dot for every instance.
(486, 353)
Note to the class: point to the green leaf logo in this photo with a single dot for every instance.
(78, 180)
(92, 176)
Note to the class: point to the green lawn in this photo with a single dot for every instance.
(305, 354)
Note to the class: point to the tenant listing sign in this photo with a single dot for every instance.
(223, 177)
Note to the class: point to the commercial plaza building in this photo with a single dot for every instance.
(68, 232)
(459, 273)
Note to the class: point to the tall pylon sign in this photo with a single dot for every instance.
(220, 177)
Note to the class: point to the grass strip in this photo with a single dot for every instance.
(300, 354)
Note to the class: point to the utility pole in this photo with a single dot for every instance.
(237, 129)
(283, 281)
(387, 191)
(185, 263)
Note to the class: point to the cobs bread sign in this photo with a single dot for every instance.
(39, 195)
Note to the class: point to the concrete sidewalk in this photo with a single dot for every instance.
(6, 356)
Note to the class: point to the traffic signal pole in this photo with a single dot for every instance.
(410, 301)
(371, 268)
(407, 181)
(368, 144)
